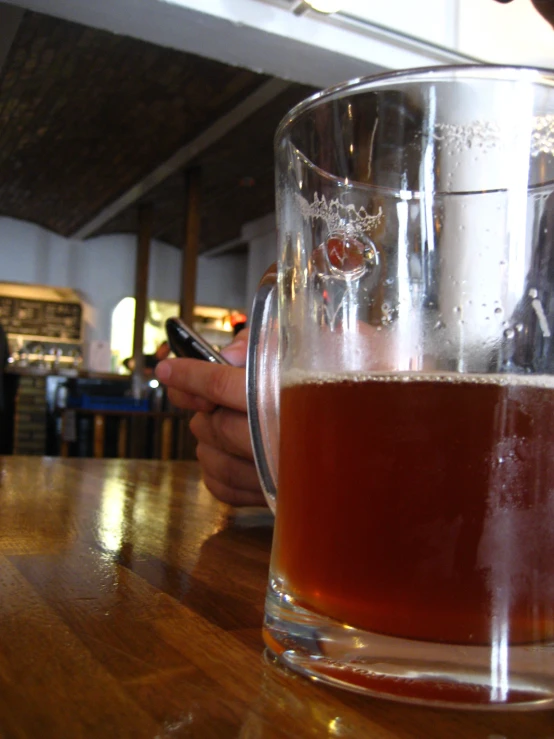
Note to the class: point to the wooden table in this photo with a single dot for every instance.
(131, 605)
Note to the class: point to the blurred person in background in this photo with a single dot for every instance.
(150, 360)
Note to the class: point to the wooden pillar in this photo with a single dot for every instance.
(182, 430)
(167, 438)
(99, 435)
(141, 285)
(186, 443)
(190, 244)
(122, 434)
(141, 295)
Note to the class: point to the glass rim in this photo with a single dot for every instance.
(369, 83)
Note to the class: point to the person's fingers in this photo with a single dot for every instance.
(217, 383)
(188, 401)
(236, 351)
(228, 469)
(233, 496)
(224, 429)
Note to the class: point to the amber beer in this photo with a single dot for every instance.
(420, 506)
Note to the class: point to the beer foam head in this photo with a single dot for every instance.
(302, 377)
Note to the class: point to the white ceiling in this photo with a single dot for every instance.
(513, 33)
(262, 35)
(368, 36)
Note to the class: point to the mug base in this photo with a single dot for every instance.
(497, 677)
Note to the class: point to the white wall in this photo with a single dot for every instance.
(102, 270)
(221, 280)
(26, 251)
(261, 236)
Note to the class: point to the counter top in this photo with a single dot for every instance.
(33, 371)
(130, 606)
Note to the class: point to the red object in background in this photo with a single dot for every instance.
(238, 318)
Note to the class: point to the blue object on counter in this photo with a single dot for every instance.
(107, 403)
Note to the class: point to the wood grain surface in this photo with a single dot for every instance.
(130, 606)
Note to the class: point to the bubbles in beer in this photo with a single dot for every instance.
(386, 313)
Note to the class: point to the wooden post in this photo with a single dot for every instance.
(122, 434)
(99, 435)
(141, 285)
(190, 244)
(141, 295)
(186, 443)
(167, 438)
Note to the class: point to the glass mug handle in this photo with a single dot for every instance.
(262, 384)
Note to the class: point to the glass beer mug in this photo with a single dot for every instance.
(405, 339)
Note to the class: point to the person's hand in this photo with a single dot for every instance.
(218, 395)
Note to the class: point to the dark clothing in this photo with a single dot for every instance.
(4, 354)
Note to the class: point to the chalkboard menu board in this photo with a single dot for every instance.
(41, 318)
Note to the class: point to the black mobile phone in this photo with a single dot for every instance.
(186, 342)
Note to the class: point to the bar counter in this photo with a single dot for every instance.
(130, 606)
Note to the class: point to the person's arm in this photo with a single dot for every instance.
(218, 395)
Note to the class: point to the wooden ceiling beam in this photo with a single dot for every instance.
(183, 156)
